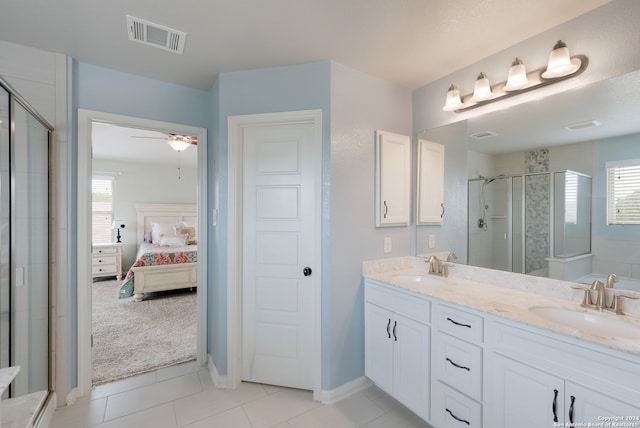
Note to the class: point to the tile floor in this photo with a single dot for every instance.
(184, 396)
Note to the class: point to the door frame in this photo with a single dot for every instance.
(236, 125)
(84, 163)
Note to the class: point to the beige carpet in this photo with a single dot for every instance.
(130, 337)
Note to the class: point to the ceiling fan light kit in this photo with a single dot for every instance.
(560, 66)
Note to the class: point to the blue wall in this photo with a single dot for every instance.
(101, 89)
(301, 87)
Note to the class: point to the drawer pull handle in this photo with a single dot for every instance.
(457, 365)
(554, 407)
(388, 329)
(386, 209)
(573, 400)
(457, 418)
(458, 323)
(395, 324)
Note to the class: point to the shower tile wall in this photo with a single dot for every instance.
(537, 212)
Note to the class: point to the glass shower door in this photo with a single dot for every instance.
(30, 247)
(489, 228)
(5, 279)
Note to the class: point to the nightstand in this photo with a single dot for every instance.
(106, 260)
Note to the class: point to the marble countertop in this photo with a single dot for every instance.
(6, 377)
(511, 301)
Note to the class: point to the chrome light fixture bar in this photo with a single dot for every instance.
(560, 66)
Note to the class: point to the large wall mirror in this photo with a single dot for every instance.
(544, 158)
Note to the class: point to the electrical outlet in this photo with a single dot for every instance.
(387, 245)
(432, 240)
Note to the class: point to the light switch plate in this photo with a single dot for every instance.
(432, 240)
(387, 245)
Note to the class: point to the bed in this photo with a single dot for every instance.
(167, 267)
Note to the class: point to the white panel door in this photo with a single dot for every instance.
(279, 212)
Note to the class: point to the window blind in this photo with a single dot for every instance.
(102, 210)
(623, 192)
(571, 198)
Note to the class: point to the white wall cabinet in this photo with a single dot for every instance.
(393, 179)
(430, 202)
(397, 346)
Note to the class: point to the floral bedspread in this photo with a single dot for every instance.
(156, 257)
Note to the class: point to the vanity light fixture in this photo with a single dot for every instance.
(517, 77)
(482, 89)
(561, 66)
(454, 102)
(560, 63)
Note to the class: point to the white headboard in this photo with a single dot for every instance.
(163, 213)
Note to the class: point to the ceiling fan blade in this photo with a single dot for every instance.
(152, 138)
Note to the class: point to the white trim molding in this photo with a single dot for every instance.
(343, 391)
(85, 120)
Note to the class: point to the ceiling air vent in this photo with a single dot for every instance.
(155, 35)
(582, 125)
(482, 135)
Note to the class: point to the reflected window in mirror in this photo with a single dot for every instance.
(623, 192)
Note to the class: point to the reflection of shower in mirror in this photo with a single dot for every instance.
(482, 221)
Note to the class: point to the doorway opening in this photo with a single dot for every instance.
(152, 186)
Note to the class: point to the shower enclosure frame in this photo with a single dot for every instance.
(14, 102)
(522, 229)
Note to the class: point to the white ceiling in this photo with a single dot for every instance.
(122, 144)
(410, 42)
(614, 103)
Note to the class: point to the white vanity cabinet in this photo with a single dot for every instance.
(457, 367)
(397, 345)
(537, 380)
(393, 179)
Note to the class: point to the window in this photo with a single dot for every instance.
(101, 209)
(570, 198)
(623, 192)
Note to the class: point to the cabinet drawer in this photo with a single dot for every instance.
(459, 323)
(100, 251)
(412, 307)
(453, 410)
(459, 364)
(104, 270)
(104, 260)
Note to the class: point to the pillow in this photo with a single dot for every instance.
(147, 238)
(173, 240)
(190, 224)
(160, 229)
(190, 232)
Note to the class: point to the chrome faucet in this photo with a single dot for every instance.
(435, 266)
(601, 297)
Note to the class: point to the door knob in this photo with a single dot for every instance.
(306, 271)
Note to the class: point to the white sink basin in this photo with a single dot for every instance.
(419, 278)
(589, 321)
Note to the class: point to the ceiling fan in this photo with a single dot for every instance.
(176, 141)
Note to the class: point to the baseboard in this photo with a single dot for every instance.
(343, 391)
(218, 380)
(72, 396)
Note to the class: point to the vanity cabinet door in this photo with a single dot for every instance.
(378, 343)
(586, 407)
(523, 396)
(393, 179)
(411, 365)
